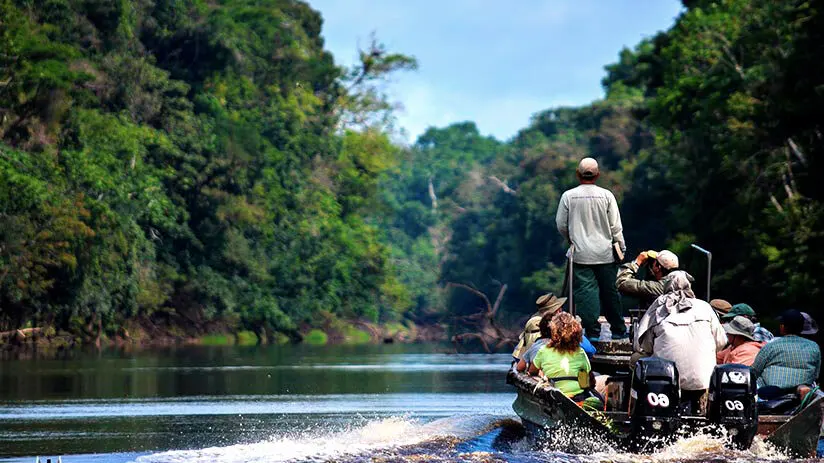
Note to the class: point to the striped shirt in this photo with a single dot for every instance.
(787, 362)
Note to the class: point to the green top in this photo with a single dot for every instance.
(555, 364)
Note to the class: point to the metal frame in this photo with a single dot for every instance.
(709, 266)
(571, 256)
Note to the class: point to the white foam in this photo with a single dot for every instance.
(323, 445)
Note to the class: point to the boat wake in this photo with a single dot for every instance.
(319, 445)
(464, 438)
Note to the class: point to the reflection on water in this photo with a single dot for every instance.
(345, 404)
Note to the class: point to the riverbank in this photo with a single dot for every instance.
(146, 333)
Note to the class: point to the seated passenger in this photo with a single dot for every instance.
(743, 347)
(681, 328)
(564, 363)
(547, 304)
(546, 335)
(787, 362)
(760, 334)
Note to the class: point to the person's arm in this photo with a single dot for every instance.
(627, 281)
(718, 332)
(562, 217)
(589, 349)
(646, 343)
(720, 355)
(521, 366)
(761, 361)
(615, 226)
(818, 364)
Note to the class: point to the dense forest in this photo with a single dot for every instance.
(191, 166)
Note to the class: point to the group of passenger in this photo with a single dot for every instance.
(676, 325)
(552, 346)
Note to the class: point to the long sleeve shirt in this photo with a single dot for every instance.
(787, 362)
(628, 283)
(744, 354)
(690, 338)
(588, 218)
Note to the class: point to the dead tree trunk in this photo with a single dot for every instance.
(486, 328)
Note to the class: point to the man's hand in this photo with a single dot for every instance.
(639, 261)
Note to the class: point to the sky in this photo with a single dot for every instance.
(493, 62)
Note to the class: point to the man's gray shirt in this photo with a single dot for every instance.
(588, 217)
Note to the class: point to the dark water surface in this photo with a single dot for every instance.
(365, 403)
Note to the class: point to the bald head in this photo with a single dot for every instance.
(588, 170)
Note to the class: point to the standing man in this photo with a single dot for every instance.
(588, 219)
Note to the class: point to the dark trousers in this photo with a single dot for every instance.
(595, 293)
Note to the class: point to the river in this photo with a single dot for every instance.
(387, 403)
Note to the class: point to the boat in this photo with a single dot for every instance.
(551, 417)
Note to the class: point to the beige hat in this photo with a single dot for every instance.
(740, 326)
(588, 168)
(667, 259)
(548, 303)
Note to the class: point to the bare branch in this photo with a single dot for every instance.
(503, 185)
(797, 151)
(498, 300)
(473, 291)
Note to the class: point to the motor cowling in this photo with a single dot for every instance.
(654, 397)
(732, 403)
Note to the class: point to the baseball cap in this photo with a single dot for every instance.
(793, 321)
(667, 259)
(588, 168)
(721, 306)
(739, 309)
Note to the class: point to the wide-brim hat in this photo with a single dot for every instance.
(810, 326)
(548, 303)
(740, 326)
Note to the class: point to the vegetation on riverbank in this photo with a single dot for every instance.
(204, 170)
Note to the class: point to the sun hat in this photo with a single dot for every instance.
(810, 326)
(740, 326)
(548, 303)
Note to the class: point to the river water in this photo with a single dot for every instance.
(389, 403)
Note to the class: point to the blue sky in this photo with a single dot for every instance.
(491, 61)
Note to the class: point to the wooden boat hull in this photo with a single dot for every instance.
(549, 415)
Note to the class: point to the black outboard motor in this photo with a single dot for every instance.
(732, 402)
(654, 398)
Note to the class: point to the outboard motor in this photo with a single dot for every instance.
(732, 402)
(654, 398)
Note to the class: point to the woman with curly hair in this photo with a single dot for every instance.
(562, 358)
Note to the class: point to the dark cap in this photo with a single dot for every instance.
(793, 321)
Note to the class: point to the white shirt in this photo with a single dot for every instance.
(588, 217)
